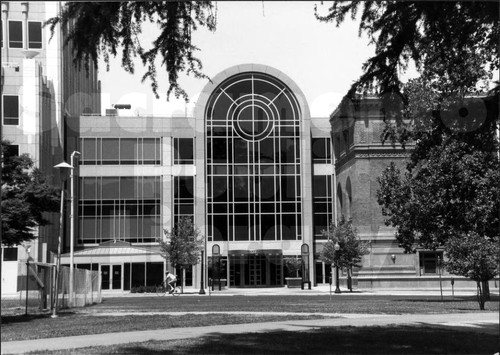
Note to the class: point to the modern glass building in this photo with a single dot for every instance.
(260, 178)
(252, 169)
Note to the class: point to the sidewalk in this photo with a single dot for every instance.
(482, 322)
(318, 290)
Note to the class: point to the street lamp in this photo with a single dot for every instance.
(74, 155)
(63, 167)
(202, 285)
(337, 248)
(28, 249)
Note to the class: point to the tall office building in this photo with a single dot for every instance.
(40, 90)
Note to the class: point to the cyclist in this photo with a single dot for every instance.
(170, 280)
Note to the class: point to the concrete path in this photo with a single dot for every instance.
(482, 322)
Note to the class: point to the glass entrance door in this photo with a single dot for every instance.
(117, 277)
(105, 277)
(255, 270)
(111, 277)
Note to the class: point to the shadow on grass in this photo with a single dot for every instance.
(23, 318)
(409, 340)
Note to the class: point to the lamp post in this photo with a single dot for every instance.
(74, 155)
(28, 249)
(337, 248)
(202, 286)
(62, 168)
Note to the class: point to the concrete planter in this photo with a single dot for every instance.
(292, 282)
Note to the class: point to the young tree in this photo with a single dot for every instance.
(476, 257)
(26, 197)
(100, 28)
(183, 244)
(351, 248)
(292, 265)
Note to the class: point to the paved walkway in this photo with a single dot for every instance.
(482, 322)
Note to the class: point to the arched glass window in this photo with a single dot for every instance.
(253, 160)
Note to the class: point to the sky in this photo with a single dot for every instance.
(322, 59)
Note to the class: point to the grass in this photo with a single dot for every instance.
(68, 324)
(81, 321)
(344, 303)
(341, 340)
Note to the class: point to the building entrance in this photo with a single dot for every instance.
(256, 268)
(111, 277)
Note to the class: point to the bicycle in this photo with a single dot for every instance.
(162, 290)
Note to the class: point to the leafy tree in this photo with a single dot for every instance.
(100, 28)
(475, 257)
(454, 192)
(183, 244)
(454, 46)
(351, 249)
(443, 39)
(450, 199)
(26, 197)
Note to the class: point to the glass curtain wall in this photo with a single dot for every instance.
(119, 208)
(253, 161)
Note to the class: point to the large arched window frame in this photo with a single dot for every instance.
(253, 125)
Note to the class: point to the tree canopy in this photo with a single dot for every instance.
(96, 29)
(453, 192)
(183, 244)
(351, 248)
(448, 41)
(454, 47)
(26, 197)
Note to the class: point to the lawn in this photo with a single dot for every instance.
(341, 340)
(82, 321)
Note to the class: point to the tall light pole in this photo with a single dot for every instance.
(63, 167)
(74, 155)
(337, 248)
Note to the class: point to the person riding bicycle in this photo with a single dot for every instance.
(170, 280)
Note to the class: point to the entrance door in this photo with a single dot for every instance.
(111, 277)
(117, 277)
(105, 277)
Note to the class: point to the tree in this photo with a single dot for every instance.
(454, 46)
(351, 248)
(442, 38)
(449, 199)
(100, 28)
(183, 244)
(26, 197)
(454, 192)
(475, 257)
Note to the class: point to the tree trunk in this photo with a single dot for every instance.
(480, 296)
(486, 290)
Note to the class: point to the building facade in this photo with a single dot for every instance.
(251, 168)
(40, 89)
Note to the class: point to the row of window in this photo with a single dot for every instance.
(133, 151)
(120, 151)
(254, 227)
(15, 30)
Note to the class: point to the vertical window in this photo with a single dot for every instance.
(321, 151)
(323, 204)
(183, 151)
(11, 110)
(1, 30)
(183, 197)
(15, 34)
(34, 35)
